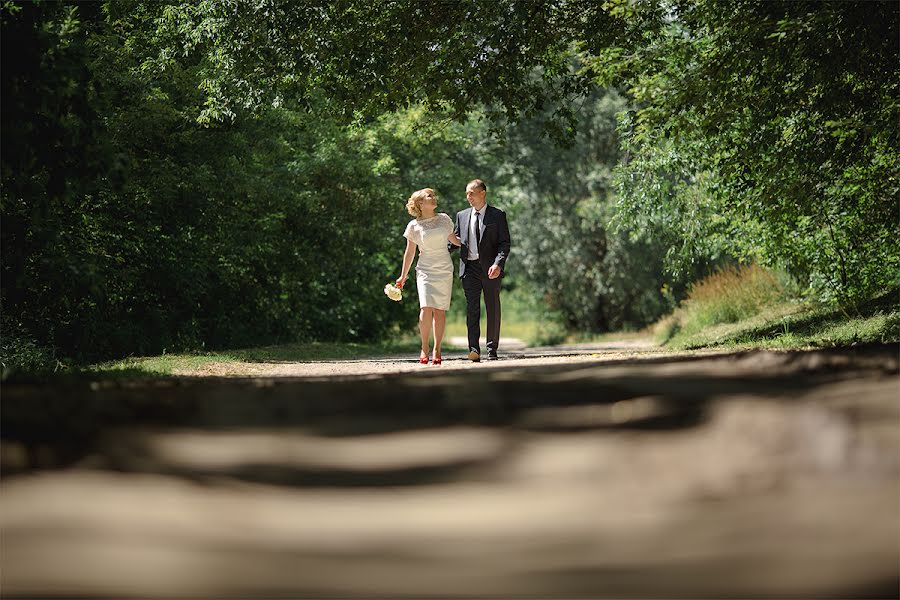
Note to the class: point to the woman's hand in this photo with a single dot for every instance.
(454, 239)
(400, 281)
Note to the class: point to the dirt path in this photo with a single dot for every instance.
(515, 354)
(577, 473)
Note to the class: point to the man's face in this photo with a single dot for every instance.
(475, 195)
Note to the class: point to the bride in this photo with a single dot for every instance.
(429, 232)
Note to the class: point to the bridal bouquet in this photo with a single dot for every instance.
(393, 292)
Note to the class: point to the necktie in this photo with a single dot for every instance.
(477, 227)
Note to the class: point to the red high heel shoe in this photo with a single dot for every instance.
(436, 360)
(423, 360)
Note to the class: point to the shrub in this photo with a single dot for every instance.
(729, 295)
(19, 353)
(732, 294)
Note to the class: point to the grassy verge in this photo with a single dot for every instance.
(169, 364)
(402, 345)
(749, 308)
(796, 326)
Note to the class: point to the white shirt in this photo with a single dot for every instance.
(475, 223)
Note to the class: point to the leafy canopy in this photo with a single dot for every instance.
(768, 130)
(366, 58)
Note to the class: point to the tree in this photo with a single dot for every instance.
(128, 228)
(367, 58)
(562, 203)
(768, 128)
(177, 174)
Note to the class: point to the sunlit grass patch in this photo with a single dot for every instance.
(749, 307)
(532, 332)
(669, 331)
(612, 336)
(881, 328)
(524, 316)
(151, 366)
(169, 364)
(797, 325)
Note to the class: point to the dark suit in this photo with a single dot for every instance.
(493, 249)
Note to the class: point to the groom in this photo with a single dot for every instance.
(485, 246)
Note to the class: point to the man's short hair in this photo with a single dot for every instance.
(478, 184)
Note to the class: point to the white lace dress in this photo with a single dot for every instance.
(434, 269)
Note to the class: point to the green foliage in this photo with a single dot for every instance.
(768, 130)
(762, 130)
(185, 175)
(726, 296)
(20, 353)
(367, 58)
(561, 204)
(130, 229)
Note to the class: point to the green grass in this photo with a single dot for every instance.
(402, 345)
(532, 332)
(524, 317)
(614, 336)
(750, 307)
(792, 325)
(168, 364)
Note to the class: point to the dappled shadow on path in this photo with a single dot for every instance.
(58, 425)
(644, 478)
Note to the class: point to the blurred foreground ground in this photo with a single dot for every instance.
(579, 474)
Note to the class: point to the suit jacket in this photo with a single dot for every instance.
(493, 247)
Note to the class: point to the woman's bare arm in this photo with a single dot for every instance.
(408, 256)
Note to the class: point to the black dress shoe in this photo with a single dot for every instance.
(493, 357)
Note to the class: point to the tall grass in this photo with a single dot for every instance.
(727, 296)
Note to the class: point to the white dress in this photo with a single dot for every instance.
(434, 269)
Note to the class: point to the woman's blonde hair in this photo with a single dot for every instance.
(414, 204)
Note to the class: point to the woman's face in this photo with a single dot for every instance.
(429, 200)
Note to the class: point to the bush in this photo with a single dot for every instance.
(20, 353)
(729, 295)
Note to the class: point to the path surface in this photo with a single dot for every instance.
(564, 473)
(514, 352)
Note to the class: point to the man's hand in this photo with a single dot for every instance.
(494, 272)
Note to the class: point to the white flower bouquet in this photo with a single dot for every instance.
(393, 292)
